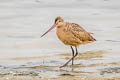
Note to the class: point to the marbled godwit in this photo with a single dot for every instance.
(71, 34)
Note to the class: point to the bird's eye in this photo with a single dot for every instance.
(60, 21)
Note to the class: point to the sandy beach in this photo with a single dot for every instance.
(26, 56)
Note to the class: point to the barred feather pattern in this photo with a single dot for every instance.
(73, 34)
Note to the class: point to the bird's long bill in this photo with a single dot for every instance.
(49, 30)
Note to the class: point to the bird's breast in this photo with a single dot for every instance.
(61, 34)
(66, 37)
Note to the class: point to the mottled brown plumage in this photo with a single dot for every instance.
(71, 34)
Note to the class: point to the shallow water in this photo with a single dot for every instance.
(23, 22)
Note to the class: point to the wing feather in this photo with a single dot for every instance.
(81, 33)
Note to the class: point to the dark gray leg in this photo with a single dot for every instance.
(76, 51)
(71, 58)
(72, 55)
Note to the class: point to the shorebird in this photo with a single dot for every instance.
(71, 34)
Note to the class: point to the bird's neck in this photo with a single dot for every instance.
(61, 26)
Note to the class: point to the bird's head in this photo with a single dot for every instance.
(59, 21)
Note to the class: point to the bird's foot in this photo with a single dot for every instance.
(63, 65)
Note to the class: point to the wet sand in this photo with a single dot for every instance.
(60, 78)
(80, 71)
(26, 56)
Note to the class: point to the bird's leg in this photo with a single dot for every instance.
(71, 58)
(72, 55)
(76, 52)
